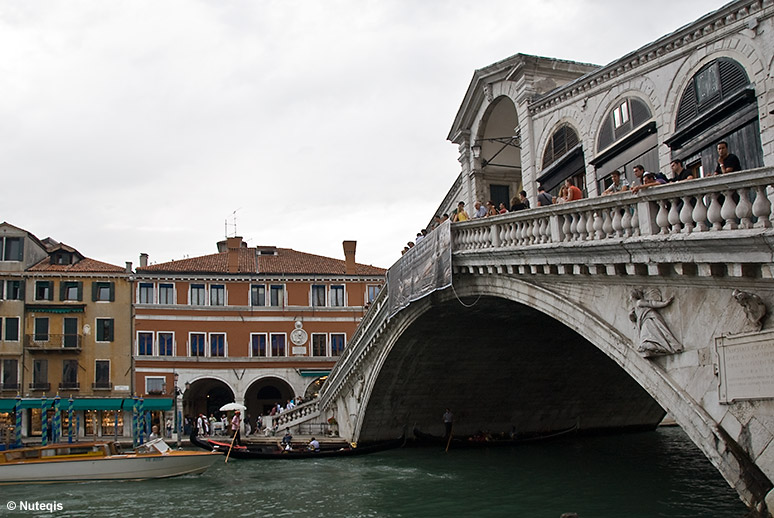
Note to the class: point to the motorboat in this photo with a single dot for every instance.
(88, 461)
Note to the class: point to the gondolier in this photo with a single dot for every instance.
(236, 421)
(448, 421)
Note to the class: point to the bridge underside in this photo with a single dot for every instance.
(496, 365)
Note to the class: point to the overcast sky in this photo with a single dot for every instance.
(144, 126)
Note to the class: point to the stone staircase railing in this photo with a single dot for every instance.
(302, 413)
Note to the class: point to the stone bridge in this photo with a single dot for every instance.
(607, 313)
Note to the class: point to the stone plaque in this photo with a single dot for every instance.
(299, 351)
(745, 366)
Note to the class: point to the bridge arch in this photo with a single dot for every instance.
(383, 408)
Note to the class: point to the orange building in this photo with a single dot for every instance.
(258, 326)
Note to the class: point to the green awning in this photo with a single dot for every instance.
(154, 404)
(104, 403)
(6, 405)
(94, 403)
(313, 373)
(49, 308)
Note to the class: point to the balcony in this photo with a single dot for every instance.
(69, 385)
(102, 385)
(9, 387)
(40, 386)
(42, 343)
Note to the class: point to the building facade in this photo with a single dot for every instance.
(252, 325)
(65, 329)
(527, 120)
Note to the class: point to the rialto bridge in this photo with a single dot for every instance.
(607, 313)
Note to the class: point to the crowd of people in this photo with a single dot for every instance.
(212, 425)
(726, 163)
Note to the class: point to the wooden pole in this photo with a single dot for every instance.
(451, 432)
(232, 444)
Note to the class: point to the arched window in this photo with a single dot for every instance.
(714, 83)
(561, 142)
(718, 103)
(626, 115)
(562, 158)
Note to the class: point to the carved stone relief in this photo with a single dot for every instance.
(654, 336)
(754, 310)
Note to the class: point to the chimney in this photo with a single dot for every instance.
(143, 260)
(128, 266)
(349, 257)
(233, 244)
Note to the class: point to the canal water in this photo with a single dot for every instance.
(657, 474)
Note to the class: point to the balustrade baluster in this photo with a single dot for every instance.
(662, 218)
(607, 224)
(713, 213)
(580, 227)
(674, 215)
(524, 234)
(514, 233)
(699, 214)
(545, 231)
(598, 231)
(626, 221)
(728, 211)
(686, 214)
(535, 231)
(617, 221)
(567, 227)
(635, 220)
(744, 208)
(762, 208)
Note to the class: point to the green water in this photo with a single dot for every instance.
(654, 474)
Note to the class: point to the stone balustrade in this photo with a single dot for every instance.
(299, 414)
(734, 201)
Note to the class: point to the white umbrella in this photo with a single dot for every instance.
(232, 406)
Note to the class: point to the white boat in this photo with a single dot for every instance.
(82, 462)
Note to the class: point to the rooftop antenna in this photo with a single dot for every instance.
(233, 224)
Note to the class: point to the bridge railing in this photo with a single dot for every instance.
(372, 324)
(741, 200)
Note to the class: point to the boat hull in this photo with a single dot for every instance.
(114, 467)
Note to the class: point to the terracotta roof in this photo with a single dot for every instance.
(85, 265)
(287, 261)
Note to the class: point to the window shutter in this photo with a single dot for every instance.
(51, 290)
(62, 290)
(94, 289)
(22, 284)
(112, 291)
(80, 291)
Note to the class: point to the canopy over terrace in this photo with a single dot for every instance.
(9, 404)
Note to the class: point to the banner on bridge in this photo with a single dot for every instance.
(422, 270)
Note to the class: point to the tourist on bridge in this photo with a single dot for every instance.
(727, 162)
(459, 213)
(481, 210)
(543, 198)
(618, 185)
(679, 173)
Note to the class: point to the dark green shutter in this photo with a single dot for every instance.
(112, 291)
(94, 290)
(62, 289)
(80, 291)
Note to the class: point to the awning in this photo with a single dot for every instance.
(50, 308)
(107, 403)
(313, 373)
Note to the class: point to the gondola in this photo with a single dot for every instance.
(480, 439)
(255, 451)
